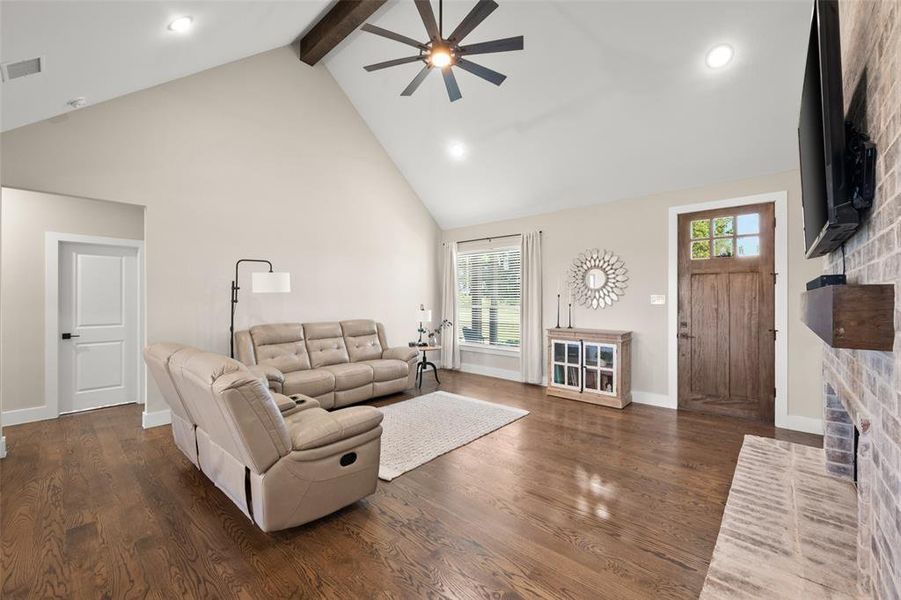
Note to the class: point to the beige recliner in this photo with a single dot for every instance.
(337, 363)
(281, 469)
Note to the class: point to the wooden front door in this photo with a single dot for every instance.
(726, 312)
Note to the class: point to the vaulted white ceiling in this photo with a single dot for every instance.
(609, 100)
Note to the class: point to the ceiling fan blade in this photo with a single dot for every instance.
(450, 82)
(428, 18)
(479, 13)
(420, 77)
(393, 63)
(392, 36)
(504, 45)
(483, 72)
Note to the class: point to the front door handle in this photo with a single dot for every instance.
(69, 336)
(685, 336)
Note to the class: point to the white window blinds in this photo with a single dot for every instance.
(489, 296)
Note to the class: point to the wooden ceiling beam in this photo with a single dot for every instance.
(338, 23)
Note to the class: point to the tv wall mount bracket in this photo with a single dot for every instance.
(860, 167)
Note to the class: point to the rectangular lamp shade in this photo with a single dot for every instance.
(270, 283)
(424, 315)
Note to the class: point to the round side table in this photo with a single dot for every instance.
(424, 364)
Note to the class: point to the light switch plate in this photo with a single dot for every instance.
(658, 299)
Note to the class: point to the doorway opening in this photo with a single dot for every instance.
(726, 311)
(779, 202)
(94, 322)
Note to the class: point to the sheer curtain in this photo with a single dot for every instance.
(531, 355)
(450, 348)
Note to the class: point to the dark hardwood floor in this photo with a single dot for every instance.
(572, 501)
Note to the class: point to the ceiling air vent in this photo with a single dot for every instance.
(14, 70)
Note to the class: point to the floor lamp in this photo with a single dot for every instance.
(261, 283)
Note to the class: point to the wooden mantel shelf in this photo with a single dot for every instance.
(859, 317)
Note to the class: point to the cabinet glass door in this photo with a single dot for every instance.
(600, 368)
(567, 364)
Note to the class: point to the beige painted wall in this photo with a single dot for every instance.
(636, 229)
(260, 158)
(24, 218)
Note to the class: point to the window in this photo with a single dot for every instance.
(727, 237)
(489, 295)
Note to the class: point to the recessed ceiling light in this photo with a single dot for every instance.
(720, 56)
(181, 24)
(457, 150)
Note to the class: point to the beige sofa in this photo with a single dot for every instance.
(337, 363)
(283, 461)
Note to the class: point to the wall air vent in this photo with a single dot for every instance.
(22, 68)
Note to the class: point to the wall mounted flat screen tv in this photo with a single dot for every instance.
(830, 217)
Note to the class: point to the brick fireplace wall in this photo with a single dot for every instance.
(863, 388)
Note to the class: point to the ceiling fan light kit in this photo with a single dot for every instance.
(445, 53)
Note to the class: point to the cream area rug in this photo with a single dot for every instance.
(789, 529)
(416, 431)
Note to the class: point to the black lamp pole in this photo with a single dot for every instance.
(234, 301)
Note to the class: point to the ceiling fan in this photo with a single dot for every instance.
(446, 52)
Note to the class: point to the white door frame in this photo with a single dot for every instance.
(52, 242)
(780, 200)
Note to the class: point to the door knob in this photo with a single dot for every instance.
(69, 336)
(685, 336)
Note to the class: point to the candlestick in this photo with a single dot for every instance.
(558, 310)
(570, 316)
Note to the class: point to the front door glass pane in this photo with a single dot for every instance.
(748, 224)
(749, 246)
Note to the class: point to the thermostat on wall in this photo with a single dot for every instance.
(658, 299)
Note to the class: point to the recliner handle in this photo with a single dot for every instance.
(348, 459)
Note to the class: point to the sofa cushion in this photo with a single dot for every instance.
(350, 375)
(362, 339)
(280, 345)
(325, 344)
(312, 382)
(386, 369)
(316, 427)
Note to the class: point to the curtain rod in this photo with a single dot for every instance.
(491, 237)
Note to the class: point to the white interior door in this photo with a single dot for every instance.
(98, 324)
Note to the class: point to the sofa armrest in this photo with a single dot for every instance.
(404, 353)
(285, 404)
(293, 404)
(274, 378)
(316, 428)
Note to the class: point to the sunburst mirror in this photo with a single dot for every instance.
(597, 278)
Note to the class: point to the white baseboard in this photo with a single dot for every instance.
(2, 446)
(491, 372)
(653, 399)
(156, 418)
(28, 415)
(799, 423)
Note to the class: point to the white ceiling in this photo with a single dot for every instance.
(101, 50)
(609, 100)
